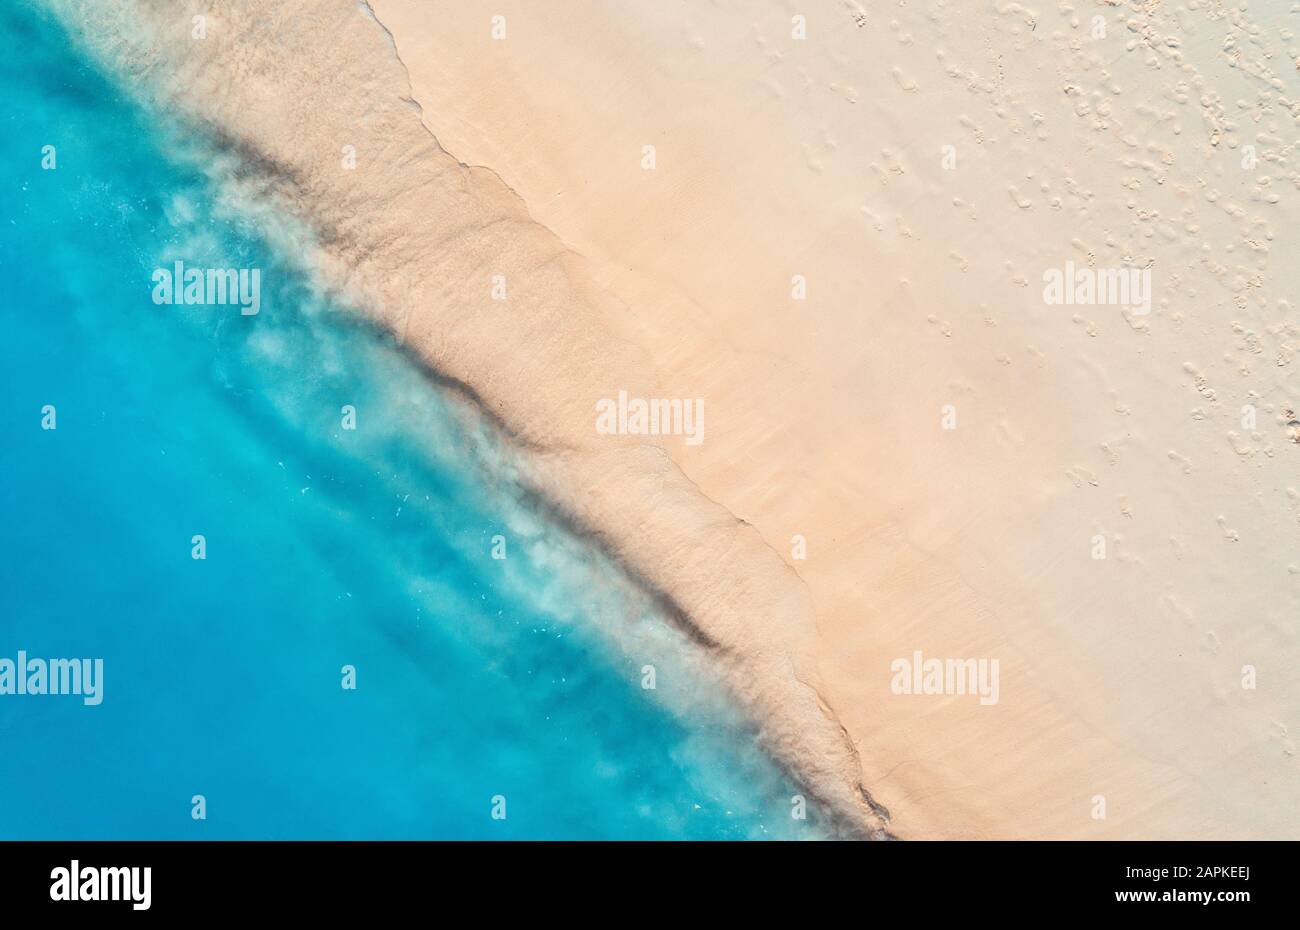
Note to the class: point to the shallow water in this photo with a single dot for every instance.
(477, 678)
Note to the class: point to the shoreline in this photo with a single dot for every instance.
(583, 477)
(1071, 425)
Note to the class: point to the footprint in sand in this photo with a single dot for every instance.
(903, 81)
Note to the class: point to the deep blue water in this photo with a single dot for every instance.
(325, 547)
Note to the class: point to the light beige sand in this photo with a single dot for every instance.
(1121, 678)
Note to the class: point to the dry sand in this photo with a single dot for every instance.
(1163, 141)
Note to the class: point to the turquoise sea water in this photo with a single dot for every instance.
(476, 677)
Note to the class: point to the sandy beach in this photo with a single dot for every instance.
(829, 229)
